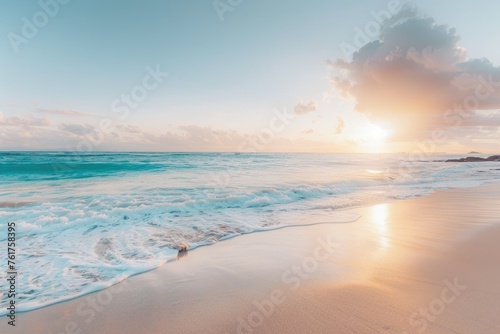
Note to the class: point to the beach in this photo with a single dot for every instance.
(423, 265)
(250, 167)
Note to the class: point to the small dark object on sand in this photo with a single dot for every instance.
(183, 247)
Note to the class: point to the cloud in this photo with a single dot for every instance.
(302, 108)
(308, 131)
(127, 128)
(65, 112)
(491, 119)
(414, 73)
(78, 129)
(24, 121)
(29, 133)
(340, 126)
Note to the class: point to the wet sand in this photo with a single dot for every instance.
(425, 265)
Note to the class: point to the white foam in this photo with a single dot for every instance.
(79, 236)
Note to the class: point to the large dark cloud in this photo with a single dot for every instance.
(415, 73)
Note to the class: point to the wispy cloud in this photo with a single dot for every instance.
(302, 108)
(39, 133)
(78, 129)
(24, 121)
(65, 112)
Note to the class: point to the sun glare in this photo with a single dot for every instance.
(378, 133)
(373, 138)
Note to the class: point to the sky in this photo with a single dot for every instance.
(251, 76)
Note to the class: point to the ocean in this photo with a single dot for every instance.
(87, 221)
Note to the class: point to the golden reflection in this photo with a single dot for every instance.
(379, 217)
(373, 171)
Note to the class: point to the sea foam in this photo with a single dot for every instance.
(87, 222)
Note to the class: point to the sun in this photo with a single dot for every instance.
(377, 133)
(374, 138)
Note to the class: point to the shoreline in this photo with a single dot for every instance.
(229, 237)
(270, 259)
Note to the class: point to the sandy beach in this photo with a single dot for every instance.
(424, 265)
(250, 167)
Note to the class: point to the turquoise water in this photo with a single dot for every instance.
(86, 221)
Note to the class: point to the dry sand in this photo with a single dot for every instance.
(425, 265)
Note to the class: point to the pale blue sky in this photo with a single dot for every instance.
(225, 75)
